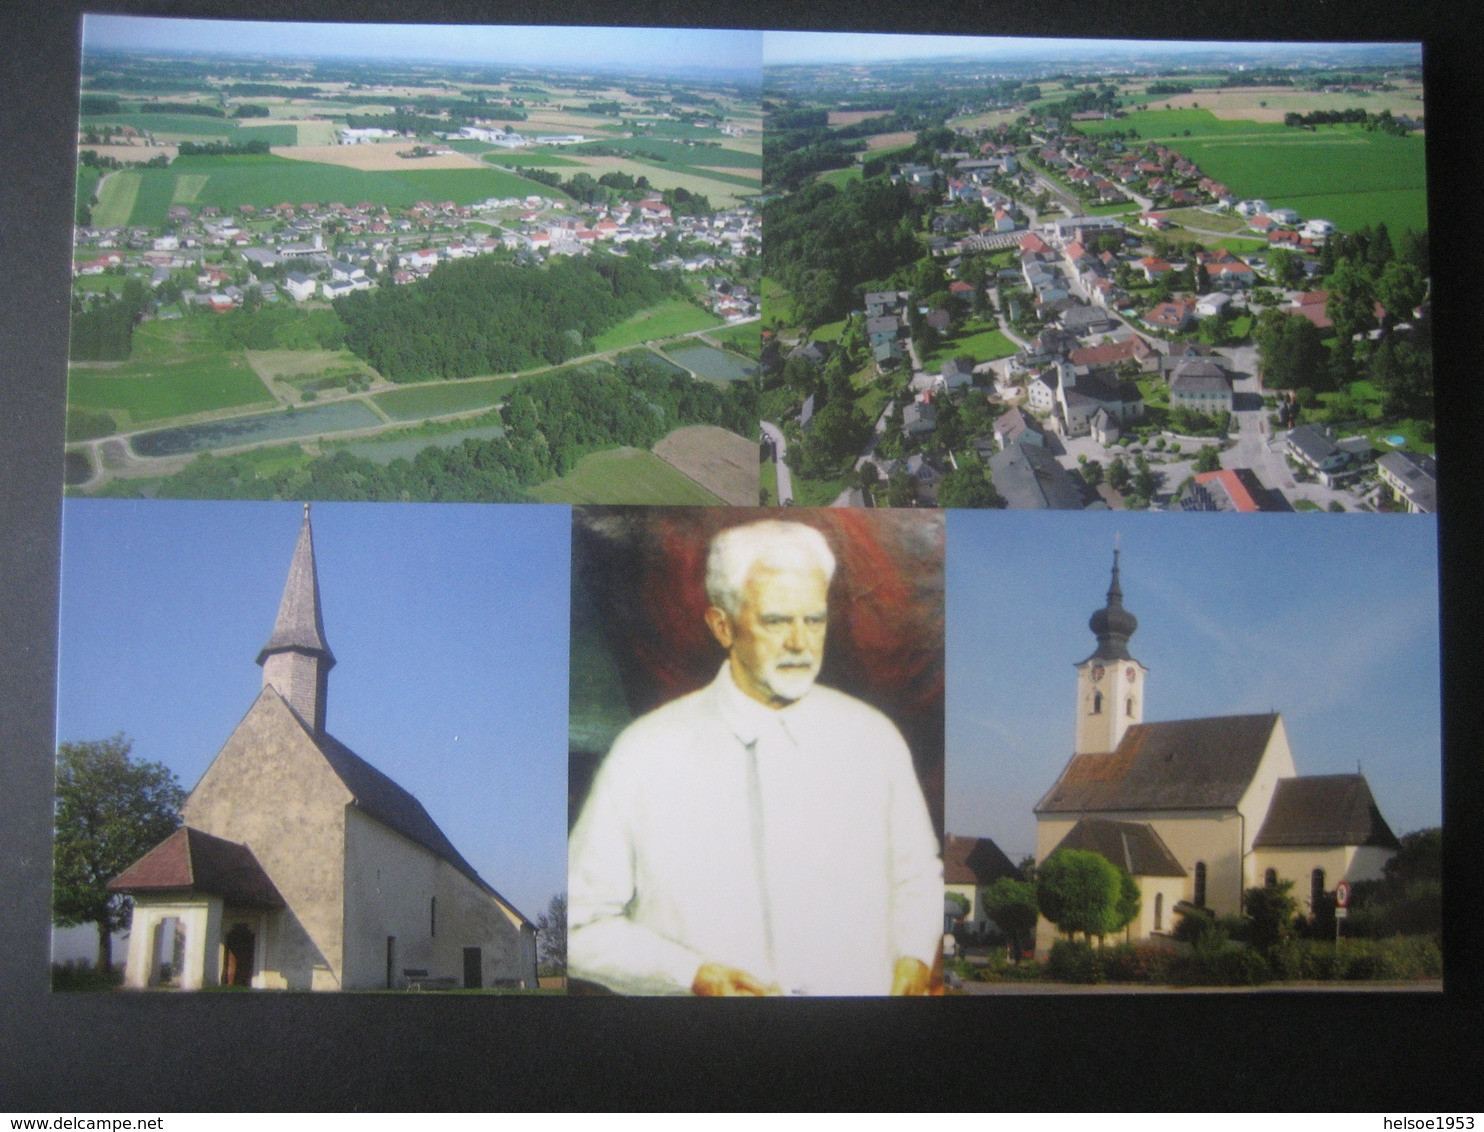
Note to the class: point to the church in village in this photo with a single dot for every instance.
(301, 866)
(1197, 810)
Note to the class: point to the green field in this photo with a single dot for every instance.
(529, 160)
(191, 126)
(140, 393)
(624, 475)
(739, 180)
(745, 338)
(266, 180)
(840, 177)
(680, 155)
(174, 370)
(1344, 174)
(663, 321)
(418, 401)
(983, 342)
(778, 304)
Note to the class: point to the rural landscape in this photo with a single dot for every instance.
(1156, 276)
(391, 279)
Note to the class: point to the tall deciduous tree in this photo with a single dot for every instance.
(551, 934)
(1011, 904)
(111, 810)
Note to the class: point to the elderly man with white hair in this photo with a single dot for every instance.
(763, 835)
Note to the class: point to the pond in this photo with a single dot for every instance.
(339, 417)
(711, 363)
(383, 452)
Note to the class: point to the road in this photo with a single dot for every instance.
(123, 462)
(780, 449)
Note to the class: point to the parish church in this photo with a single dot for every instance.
(301, 866)
(1197, 810)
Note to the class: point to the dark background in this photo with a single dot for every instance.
(1265, 1051)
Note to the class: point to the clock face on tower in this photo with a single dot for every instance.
(1130, 672)
(1097, 671)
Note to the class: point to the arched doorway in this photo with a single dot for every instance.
(237, 962)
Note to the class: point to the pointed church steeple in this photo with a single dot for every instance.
(296, 660)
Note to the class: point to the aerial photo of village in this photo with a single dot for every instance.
(413, 263)
(1079, 274)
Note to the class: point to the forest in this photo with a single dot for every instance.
(823, 243)
(551, 422)
(481, 316)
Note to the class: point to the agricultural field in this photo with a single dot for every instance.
(1344, 174)
(380, 157)
(173, 372)
(683, 156)
(441, 398)
(664, 321)
(722, 189)
(143, 197)
(624, 475)
(1269, 104)
(722, 462)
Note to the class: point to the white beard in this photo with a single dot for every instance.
(791, 683)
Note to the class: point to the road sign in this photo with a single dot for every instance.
(1342, 895)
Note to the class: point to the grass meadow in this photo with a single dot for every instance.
(982, 342)
(1344, 174)
(431, 400)
(624, 475)
(665, 320)
(173, 371)
(263, 180)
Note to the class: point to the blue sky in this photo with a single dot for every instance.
(1330, 620)
(627, 49)
(449, 624)
(861, 47)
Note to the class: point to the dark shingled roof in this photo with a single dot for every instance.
(299, 625)
(191, 861)
(1324, 809)
(377, 796)
(1187, 764)
(1132, 845)
(974, 860)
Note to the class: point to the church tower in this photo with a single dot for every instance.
(1110, 683)
(296, 660)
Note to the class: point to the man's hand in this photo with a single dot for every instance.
(909, 976)
(716, 980)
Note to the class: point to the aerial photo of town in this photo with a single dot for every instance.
(414, 263)
(1080, 274)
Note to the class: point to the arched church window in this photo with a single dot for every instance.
(1200, 884)
(1270, 878)
(1128, 706)
(1097, 703)
(1159, 911)
(1316, 889)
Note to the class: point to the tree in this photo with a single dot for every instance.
(1011, 904)
(1208, 459)
(110, 811)
(1270, 908)
(1082, 891)
(968, 487)
(551, 934)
